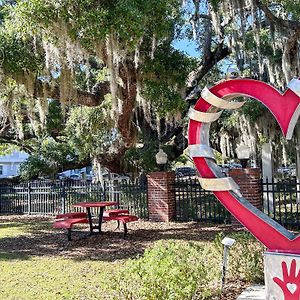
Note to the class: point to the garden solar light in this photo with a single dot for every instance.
(227, 242)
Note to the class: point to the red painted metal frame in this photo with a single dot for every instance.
(283, 107)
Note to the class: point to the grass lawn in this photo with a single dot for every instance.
(37, 262)
(52, 278)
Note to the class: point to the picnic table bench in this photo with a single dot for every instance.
(115, 212)
(122, 217)
(68, 220)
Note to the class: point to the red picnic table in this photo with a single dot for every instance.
(89, 205)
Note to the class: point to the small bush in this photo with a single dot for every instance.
(246, 259)
(178, 270)
(170, 270)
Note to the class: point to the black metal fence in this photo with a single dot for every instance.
(195, 204)
(281, 201)
(280, 198)
(59, 196)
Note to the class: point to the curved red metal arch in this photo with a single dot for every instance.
(285, 108)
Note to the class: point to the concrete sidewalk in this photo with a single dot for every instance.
(254, 292)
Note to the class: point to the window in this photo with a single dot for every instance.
(1, 170)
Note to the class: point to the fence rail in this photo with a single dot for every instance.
(58, 197)
(281, 201)
(195, 204)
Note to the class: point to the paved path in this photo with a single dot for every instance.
(254, 292)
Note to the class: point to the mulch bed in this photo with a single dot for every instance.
(43, 240)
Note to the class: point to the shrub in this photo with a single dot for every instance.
(178, 270)
(246, 259)
(170, 270)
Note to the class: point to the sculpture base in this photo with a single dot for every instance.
(281, 276)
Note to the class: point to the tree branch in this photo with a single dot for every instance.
(8, 140)
(75, 165)
(196, 17)
(290, 24)
(206, 65)
(80, 97)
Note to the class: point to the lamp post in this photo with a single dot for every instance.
(243, 154)
(161, 159)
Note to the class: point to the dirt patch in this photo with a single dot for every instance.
(110, 245)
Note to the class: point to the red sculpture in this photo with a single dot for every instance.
(286, 109)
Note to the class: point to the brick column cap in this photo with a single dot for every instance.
(252, 171)
(161, 174)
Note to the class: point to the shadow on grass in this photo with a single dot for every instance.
(39, 239)
(13, 225)
(4, 256)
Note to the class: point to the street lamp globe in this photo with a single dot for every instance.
(232, 72)
(243, 154)
(161, 157)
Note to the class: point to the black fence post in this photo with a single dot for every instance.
(104, 190)
(29, 198)
(63, 197)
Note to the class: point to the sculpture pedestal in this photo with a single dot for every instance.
(281, 276)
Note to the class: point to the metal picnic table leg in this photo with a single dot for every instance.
(88, 209)
(101, 217)
(125, 230)
(69, 234)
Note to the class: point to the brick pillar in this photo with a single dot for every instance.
(161, 196)
(249, 182)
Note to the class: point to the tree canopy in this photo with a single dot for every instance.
(89, 80)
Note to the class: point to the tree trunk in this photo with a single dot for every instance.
(128, 92)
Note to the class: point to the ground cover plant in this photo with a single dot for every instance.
(158, 261)
(188, 270)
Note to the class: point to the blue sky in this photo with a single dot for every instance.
(190, 47)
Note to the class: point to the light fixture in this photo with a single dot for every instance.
(232, 72)
(227, 242)
(243, 154)
(161, 158)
